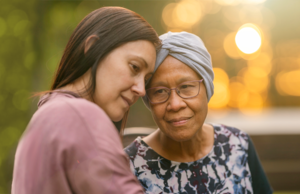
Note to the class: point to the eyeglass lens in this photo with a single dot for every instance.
(184, 90)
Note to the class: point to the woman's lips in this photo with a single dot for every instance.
(179, 121)
(127, 101)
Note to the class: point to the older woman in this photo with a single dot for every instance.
(185, 155)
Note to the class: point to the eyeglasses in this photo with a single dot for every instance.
(185, 90)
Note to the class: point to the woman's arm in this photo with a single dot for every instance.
(101, 165)
(71, 147)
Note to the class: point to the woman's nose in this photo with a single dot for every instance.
(139, 88)
(175, 102)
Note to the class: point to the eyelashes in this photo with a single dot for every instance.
(135, 68)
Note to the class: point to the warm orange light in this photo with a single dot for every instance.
(255, 79)
(230, 47)
(251, 13)
(287, 83)
(263, 61)
(288, 48)
(221, 76)
(230, 13)
(228, 2)
(188, 12)
(248, 39)
(253, 1)
(168, 15)
(182, 15)
(239, 95)
(254, 105)
(236, 2)
(210, 7)
(221, 94)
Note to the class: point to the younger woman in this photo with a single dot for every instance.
(70, 144)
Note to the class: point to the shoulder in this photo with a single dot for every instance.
(62, 103)
(231, 135)
(138, 150)
(70, 108)
(74, 121)
(67, 115)
(132, 149)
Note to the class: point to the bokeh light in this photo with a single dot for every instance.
(211, 7)
(263, 61)
(230, 47)
(182, 15)
(228, 2)
(288, 48)
(239, 94)
(269, 20)
(250, 14)
(287, 83)
(247, 92)
(230, 13)
(188, 12)
(237, 2)
(221, 95)
(254, 104)
(214, 44)
(168, 15)
(255, 79)
(248, 39)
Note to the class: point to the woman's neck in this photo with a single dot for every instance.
(79, 85)
(195, 148)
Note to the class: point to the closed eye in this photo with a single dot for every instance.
(135, 68)
(185, 86)
(161, 91)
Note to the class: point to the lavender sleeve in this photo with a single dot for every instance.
(71, 146)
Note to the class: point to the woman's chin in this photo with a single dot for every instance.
(116, 117)
(181, 137)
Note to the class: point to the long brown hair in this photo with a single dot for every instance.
(113, 26)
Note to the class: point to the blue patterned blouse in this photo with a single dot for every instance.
(226, 169)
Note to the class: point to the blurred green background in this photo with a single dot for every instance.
(33, 35)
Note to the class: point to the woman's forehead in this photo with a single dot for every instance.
(172, 68)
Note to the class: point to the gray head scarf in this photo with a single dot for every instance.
(189, 49)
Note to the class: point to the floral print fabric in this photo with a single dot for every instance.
(224, 170)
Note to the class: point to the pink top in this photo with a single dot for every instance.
(71, 146)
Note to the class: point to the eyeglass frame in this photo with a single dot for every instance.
(176, 91)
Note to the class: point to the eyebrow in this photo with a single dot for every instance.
(143, 60)
(179, 81)
(184, 79)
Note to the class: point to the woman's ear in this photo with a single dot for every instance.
(89, 42)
